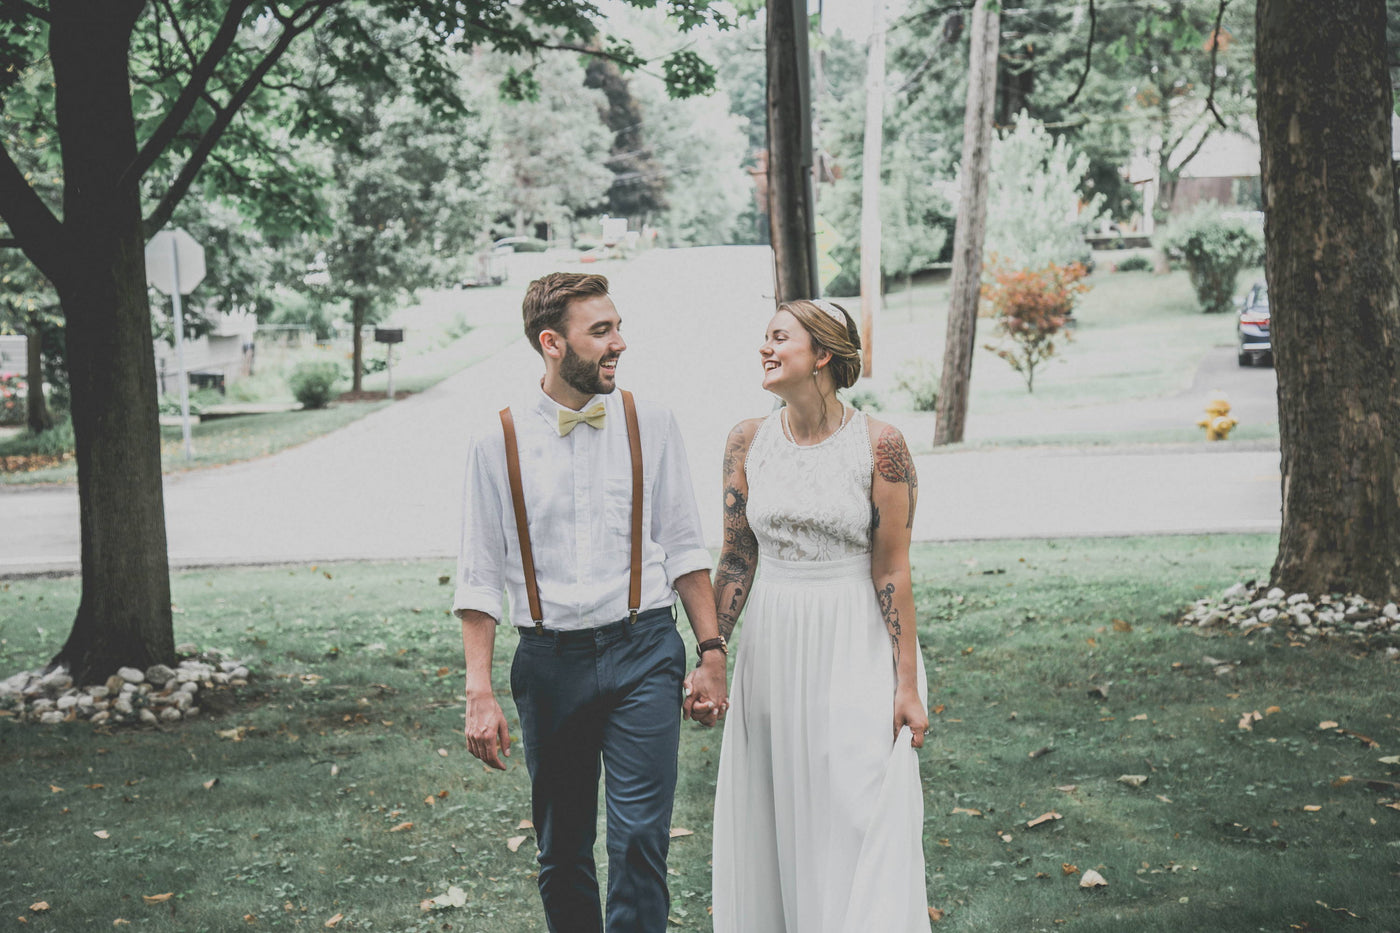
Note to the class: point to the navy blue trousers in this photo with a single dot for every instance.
(608, 698)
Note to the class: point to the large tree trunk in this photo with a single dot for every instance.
(37, 410)
(971, 230)
(790, 152)
(124, 615)
(1324, 121)
(359, 313)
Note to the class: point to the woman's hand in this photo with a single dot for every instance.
(909, 711)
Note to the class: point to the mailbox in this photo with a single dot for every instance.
(388, 335)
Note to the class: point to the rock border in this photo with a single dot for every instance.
(159, 694)
(1258, 609)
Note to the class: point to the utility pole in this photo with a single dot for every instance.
(792, 225)
(871, 158)
(971, 228)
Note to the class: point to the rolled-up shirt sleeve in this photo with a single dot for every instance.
(482, 551)
(675, 519)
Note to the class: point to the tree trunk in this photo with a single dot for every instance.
(971, 228)
(37, 409)
(1324, 105)
(124, 614)
(359, 313)
(791, 227)
(871, 159)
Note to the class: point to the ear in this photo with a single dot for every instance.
(552, 344)
(823, 357)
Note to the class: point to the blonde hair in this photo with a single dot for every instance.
(839, 338)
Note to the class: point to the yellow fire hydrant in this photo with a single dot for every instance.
(1217, 422)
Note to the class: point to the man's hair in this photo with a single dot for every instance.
(546, 304)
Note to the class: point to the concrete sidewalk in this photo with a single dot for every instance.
(388, 487)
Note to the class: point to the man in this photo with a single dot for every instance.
(593, 681)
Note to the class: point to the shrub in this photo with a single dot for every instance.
(56, 442)
(863, 399)
(1032, 307)
(313, 384)
(13, 396)
(1136, 263)
(1214, 249)
(919, 378)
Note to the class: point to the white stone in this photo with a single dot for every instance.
(238, 682)
(100, 704)
(221, 678)
(182, 700)
(192, 711)
(123, 705)
(189, 687)
(101, 716)
(67, 701)
(56, 680)
(1275, 593)
(159, 674)
(50, 719)
(85, 703)
(98, 693)
(148, 717)
(240, 673)
(170, 714)
(1391, 611)
(42, 705)
(1239, 589)
(1268, 615)
(1392, 652)
(187, 648)
(1297, 598)
(131, 675)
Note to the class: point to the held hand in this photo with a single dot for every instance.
(707, 694)
(486, 729)
(909, 711)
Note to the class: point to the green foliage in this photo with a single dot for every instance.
(56, 442)
(313, 384)
(863, 399)
(919, 379)
(1136, 263)
(1214, 248)
(1035, 211)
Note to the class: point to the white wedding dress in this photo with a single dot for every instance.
(819, 810)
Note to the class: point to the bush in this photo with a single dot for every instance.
(1137, 263)
(56, 442)
(313, 384)
(13, 395)
(863, 399)
(1214, 249)
(919, 378)
(1032, 307)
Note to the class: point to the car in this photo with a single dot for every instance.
(1253, 326)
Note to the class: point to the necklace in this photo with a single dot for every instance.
(787, 430)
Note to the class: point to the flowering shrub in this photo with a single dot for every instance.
(12, 398)
(1032, 307)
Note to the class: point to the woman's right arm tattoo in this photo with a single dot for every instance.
(737, 561)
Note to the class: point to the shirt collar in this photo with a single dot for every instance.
(550, 408)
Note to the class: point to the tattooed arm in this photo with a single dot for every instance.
(893, 495)
(738, 559)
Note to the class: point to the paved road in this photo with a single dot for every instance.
(389, 485)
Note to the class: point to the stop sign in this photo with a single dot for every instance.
(173, 256)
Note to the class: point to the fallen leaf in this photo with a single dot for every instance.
(96, 786)
(946, 843)
(39, 906)
(1311, 808)
(1005, 837)
(1337, 910)
(938, 710)
(1342, 781)
(157, 898)
(1140, 717)
(677, 832)
(1040, 752)
(119, 922)
(330, 924)
(1271, 710)
(1092, 879)
(1248, 720)
(1329, 724)
(444, 671)
(1067, 788)
(1121, 626)
(934, 915)
(1365, 740)
(442, 752)
(209, 785)
(405, 825)
(1390, 760)
(335, 770)
(102, 834)
(455, 897)
(523, 824)
(1047, 817)
(233, 735)
(514, 843)
(1099, 692)
(1164, 798)
(967, 810)
(1133, 780)
(1069, 869)
(55, 789)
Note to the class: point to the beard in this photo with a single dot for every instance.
(585, 376)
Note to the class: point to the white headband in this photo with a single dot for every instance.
(832, 311)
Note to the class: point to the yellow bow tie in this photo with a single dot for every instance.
(593, 417)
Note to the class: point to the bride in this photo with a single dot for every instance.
(819, 810)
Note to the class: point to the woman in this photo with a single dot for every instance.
(819, 810)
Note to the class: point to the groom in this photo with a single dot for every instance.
(597, 674)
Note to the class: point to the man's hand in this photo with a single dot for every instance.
(707, 693)
(486, 728)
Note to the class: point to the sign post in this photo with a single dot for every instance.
(175, 265)
(389, 336)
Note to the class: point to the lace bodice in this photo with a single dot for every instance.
(810, 503)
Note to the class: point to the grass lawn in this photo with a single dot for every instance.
(352, 730)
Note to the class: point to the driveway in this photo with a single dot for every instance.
(388, 487)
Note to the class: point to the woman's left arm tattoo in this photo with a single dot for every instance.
(895, 465)
(891, 617)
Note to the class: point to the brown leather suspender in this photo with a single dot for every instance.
(522, 528)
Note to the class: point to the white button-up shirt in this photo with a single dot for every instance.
(578, 502)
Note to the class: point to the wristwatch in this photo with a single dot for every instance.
(711, 643)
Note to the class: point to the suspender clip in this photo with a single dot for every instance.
(632, 616)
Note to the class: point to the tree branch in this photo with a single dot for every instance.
(1214, 48)
(180, 187)
(36, 230)
(24, 6)
(1088, 54)
(191, 95)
